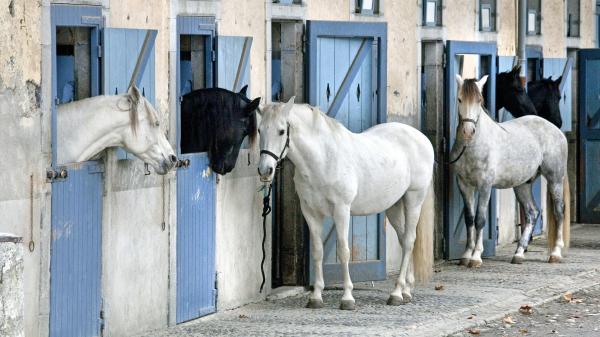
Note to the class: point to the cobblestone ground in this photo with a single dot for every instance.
(469, 298)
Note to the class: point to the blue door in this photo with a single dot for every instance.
(347, 66)
(470, 59)
(588, 179)
(76, 222)
(196, 186)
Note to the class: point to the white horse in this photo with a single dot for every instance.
(508, 155)
(88, 126)
(338, 173)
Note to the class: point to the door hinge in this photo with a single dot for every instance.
(444, 60)
(99, 51)
(216, 290)
(53, 175)
(101, 319)
(213, 55)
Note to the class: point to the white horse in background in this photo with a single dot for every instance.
(88, 126)
(338, 173)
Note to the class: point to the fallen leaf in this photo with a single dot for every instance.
(508, 320)
(437, 270)
(526, 309)
(242, 316)
(577, 300)
(439, 287)
(568, 296)
(471, 317)
(474, 331)
(523, 330)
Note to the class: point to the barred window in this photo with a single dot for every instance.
(534, 17)
(368, 7)
(432, 13)
(573, 18)
(487, 15)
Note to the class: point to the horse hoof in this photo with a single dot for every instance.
(347, 305)
(314, 304)
(395, 300)
(407, 297)
(474, 264)
(554, 259)
(464, 262)
(517, 260)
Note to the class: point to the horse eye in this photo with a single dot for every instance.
(459, 100)
(258, 131)
(281, 132)
(157, 124)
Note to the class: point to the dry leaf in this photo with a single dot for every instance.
(523, 330)
(577, 300)
(568, 296)
(242, 316)
(526, 309)
(474, 331)
(508, 320)
(471, 317)
(439, 287)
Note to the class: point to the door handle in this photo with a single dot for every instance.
(185, 163)
(327, 93)
(358, 92)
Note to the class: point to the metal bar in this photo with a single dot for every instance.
(142, 60)
(244, 58)
(363, 50)
(521, 36)
(565, 74)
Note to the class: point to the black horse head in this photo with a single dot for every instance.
(545, 95)
(511, 95)
(216, 121)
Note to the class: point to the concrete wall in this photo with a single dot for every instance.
(11, 286)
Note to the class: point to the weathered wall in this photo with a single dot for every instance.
(21, 133)
(11, 286)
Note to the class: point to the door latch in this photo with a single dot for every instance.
(185, 163)
(52, 174)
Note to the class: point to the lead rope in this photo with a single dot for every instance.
(266, 210)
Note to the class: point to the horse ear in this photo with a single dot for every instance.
(558, 80)
(516, 70)
(459, 80)
(288, 106)
(252, 105)
(481, 82)
(243, 91)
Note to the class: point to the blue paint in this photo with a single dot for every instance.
(332, 48)
(76, 247)
(276, 87)
(588, 183)
(196, 197)
(196, 203)
(454, 226)
(230, 58)
(66, 78)
(76, 222)
(554, 67)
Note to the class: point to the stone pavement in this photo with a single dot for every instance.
(469, 298)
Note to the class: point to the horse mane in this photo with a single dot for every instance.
(470, 91)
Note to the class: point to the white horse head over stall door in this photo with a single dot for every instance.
(347, 80)
(77, 191)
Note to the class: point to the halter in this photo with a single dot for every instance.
(469, 120)
(285, 147)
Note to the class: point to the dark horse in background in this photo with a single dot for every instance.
(216, 121)
(542, 97)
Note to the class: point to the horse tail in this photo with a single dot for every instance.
(423, 249)
(566, 228)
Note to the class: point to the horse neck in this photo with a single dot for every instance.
(312, 139)
(87, 127)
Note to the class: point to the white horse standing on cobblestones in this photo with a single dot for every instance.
(338, 173)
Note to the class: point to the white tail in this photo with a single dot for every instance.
(423, 249)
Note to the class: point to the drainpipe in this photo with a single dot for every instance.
(522, 34)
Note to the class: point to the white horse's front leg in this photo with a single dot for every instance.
(315, 225)
(342, 222)
(480, 220)
(468, 194)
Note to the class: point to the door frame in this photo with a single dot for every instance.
(487, 49)
(367, 270)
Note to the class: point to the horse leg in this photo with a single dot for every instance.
(525, 198)
(480, 219)
(315, 226)
(341, 217)
(395, 215)
(468, 194)
(556, 191)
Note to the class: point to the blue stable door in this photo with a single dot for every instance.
(76, 221)
(346, 69)
(196, 293)
(589, 136)
(469, 59)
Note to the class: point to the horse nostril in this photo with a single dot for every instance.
(173, 158)
(270, 170)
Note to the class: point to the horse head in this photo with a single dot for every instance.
(274, 132)
(145, 137)
(470, 104)
(510, 94)
(545, 95)
(216, 121)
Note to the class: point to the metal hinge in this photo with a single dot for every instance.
(101, 319)
(53, 175)
(216, 290)
(99, 51)
(444, 60)
(213, 54)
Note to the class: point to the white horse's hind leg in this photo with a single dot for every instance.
(468, 194)
(315, 225)
(556, 190)
(410, 205)
(525, 197)
(480, 220)
(341, 217)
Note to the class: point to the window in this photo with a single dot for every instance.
(288, 2)
(573, 18)
(487, 15)
(368, 7)
(432, 13)
(534, 17)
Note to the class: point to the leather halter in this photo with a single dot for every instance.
(285, 147)
(469, 120)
